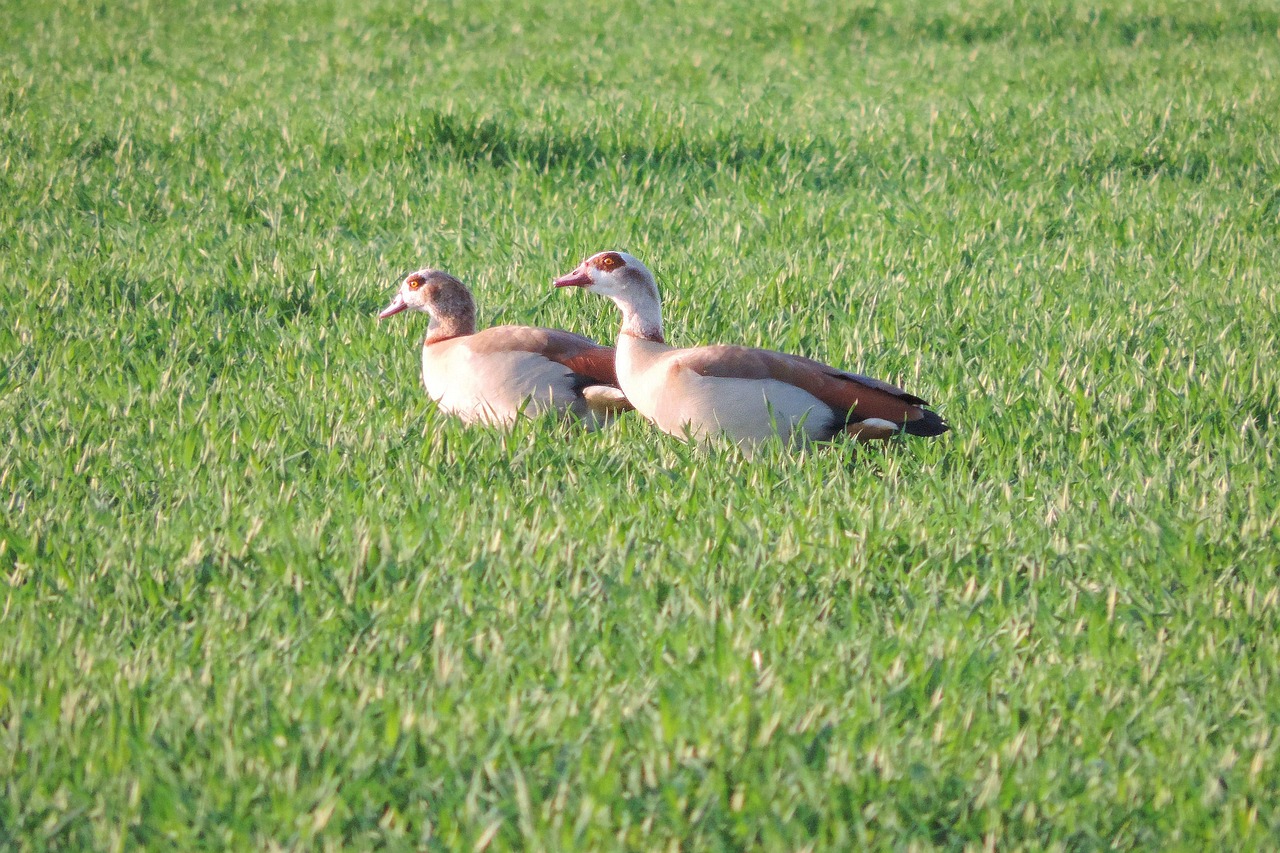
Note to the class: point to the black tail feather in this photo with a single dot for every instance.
(931, 424)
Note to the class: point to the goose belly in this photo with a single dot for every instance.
(497, 388)
(747, 410)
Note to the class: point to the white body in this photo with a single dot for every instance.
(499, 374)
(496, 388)
(682, 402)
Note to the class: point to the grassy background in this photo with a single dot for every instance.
(256, 592)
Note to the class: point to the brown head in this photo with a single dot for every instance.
(447, 300)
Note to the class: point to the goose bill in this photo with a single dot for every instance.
(397, 305)
(573, 279)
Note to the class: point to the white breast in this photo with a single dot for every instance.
(640, 373)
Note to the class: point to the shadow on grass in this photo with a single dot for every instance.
(486, 143)
(814, 162)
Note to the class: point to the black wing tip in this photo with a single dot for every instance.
(579, 382)
(930, 425)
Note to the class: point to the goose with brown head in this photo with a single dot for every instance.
(499, 374)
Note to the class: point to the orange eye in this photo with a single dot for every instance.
(415, 283)
(608, 262)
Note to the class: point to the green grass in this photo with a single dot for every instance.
(256, 592)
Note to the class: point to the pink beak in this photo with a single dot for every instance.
(577, 278)
(397, 305)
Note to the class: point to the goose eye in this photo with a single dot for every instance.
(415, 283)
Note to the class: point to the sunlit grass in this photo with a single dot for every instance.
(255, 591)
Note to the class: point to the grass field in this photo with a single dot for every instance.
(256, 592)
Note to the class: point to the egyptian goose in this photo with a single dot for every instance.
(747, 394)
(496, 375)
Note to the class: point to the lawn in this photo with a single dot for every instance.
(256, 592)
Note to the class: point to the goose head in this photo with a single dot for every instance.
(630, 285)
(613, 274)
(437, 293)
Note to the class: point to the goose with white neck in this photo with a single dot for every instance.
(747, 394)
(496, 375)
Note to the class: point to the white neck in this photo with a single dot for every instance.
(641, 314)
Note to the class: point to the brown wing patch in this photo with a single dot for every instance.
(581, 355)
(880, 385)
(598, 363)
